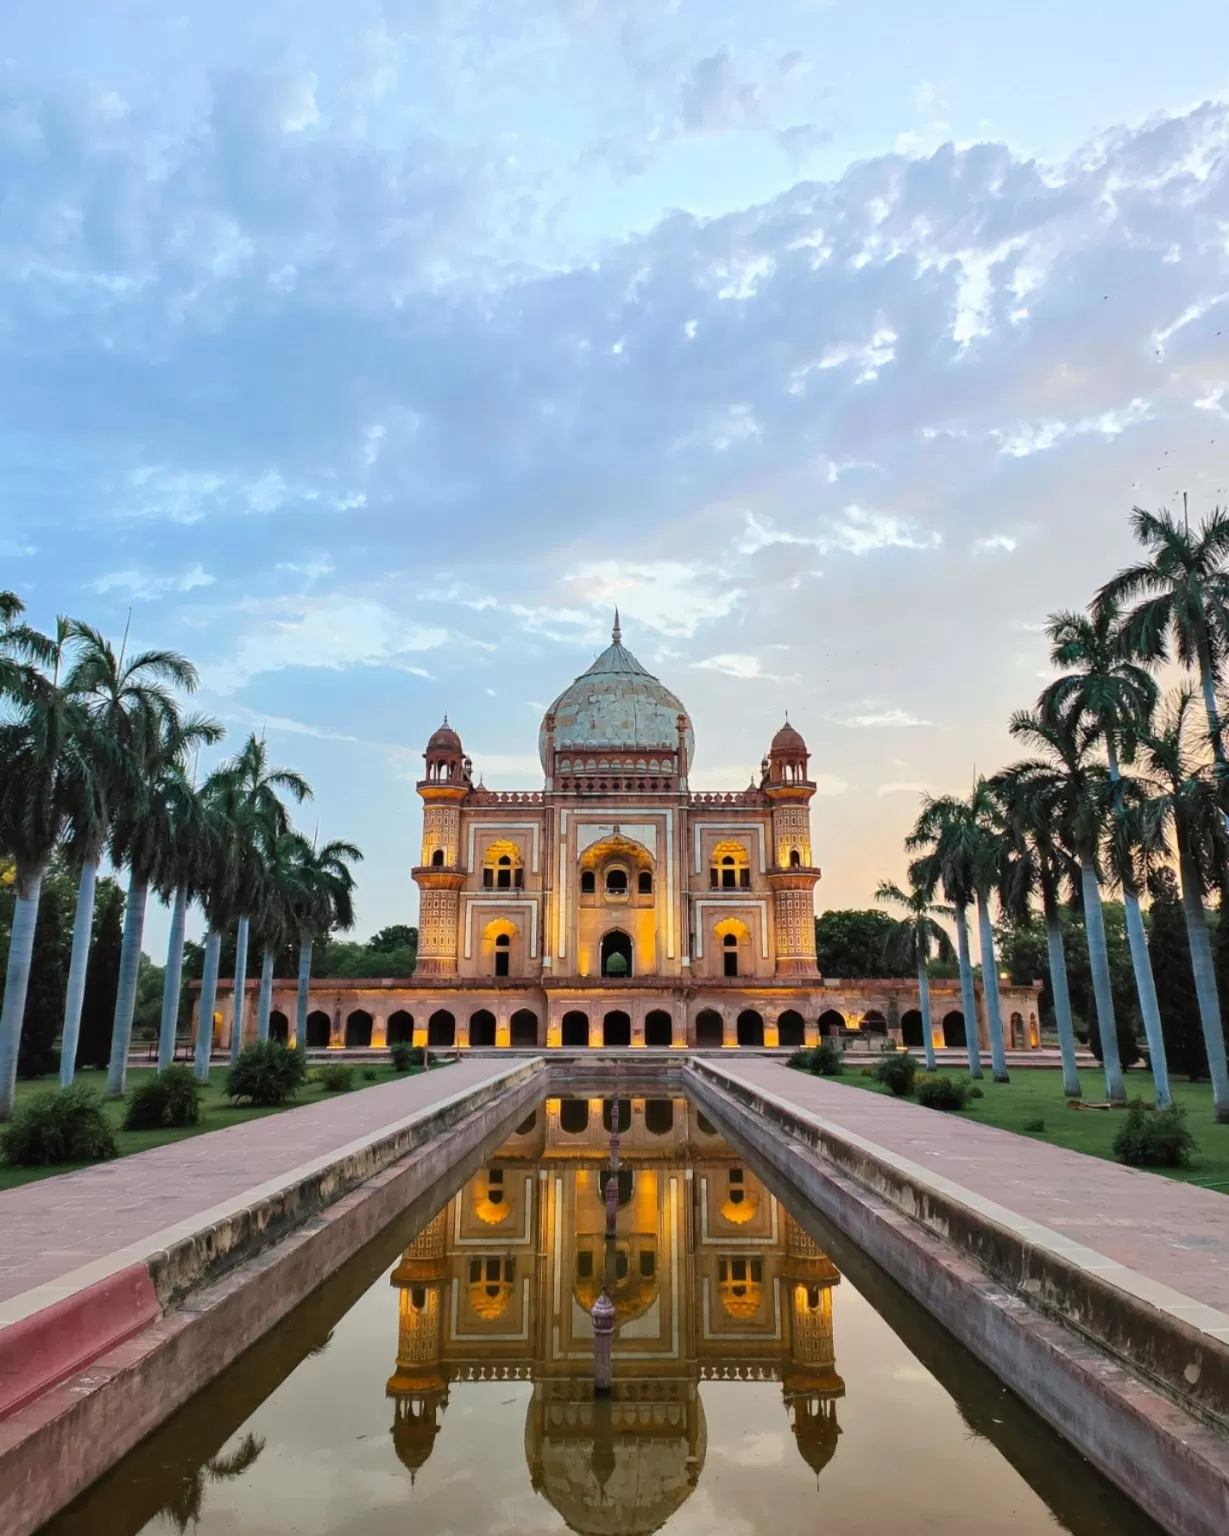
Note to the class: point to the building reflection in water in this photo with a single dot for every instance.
(712, 1281)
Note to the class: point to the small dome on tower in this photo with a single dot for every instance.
(444, 739)
(788, 739)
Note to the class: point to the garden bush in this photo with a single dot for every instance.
(800, 1060)
(172, 1097)
(897, 1071)
(370, 1074)
(337, 1077)
(942, 1093)
(68, 1126)
(1157, 1138)
(405, 1057)
(828, 1060)
(266, 1074)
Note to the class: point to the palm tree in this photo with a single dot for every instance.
(141, 835)
(184, 854)
(1110, 692)
(1185, 803)
(218, 856)
(128, 707)
(259, 816)
(1040, 865)
(943, 833)
(40, 774)
(912, 938)
(321, 891)
(1181, 595)
(274, 925)
(991, 846)
(1078, 791)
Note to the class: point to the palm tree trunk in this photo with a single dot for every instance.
(1062, 999)
(266, 994)
(1141, 965)
(923, 988)
(1102, 988)
(172, 982)
(1204, 968)
(209, 998)
(990, 990)
(1207, 681)
(1149, 1007)
(240, 997)
(126, 993)
(16, 984)
(968, 998)
(305, 974)
(83, 929)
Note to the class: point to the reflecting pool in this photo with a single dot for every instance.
(764, 1377)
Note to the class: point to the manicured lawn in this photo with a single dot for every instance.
(217, 1112)
(1037, 1093)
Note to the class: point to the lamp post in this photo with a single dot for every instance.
(603, 1319)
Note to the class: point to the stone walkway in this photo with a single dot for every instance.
(1170, 1232)
(52, 1227)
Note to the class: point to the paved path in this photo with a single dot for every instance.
(1170, 1232)
(55, 1226)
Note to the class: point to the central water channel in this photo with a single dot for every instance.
(766, 1375)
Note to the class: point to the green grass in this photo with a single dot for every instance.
(217, 1112)
(1037, 1093)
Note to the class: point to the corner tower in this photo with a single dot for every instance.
(792, 875)
(440, 875)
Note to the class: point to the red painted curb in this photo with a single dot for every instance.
(51, 1344)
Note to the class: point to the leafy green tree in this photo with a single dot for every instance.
(1175, 979)
(852, 942)
(397, 936)
(321, 893)
(102, 977)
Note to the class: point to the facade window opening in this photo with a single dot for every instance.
(795, 859)
(729, 955)
(812, 1298)
(644, 883)
(418, 1297)
(518, 879)
(503, 873)
(437, 859)
(744, 878)
(616, 882)
(621, 1265)
(648, 1263)
(584, 1264)
(588, 882)
(488, 878)
(712, 878)
(729, 876)
(503, 950)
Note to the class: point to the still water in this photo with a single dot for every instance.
(766, 1377)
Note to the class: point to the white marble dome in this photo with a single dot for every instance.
(616, 704)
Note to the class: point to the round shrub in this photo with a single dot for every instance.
(171, 1098)
(405, 1057)
(800, 1060)
(1150, 1138)
(941, 1093)
(266, 1073)
(337, 1077)
(828, 1060)
(68, 1126)
(897, 1071)
(370, 1074)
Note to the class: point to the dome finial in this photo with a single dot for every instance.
(616, 634)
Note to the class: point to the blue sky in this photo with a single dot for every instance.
(371, 353)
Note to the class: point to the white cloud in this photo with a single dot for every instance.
(902, 787)
(871, 716)
(996, 541)
(733, 664)
(674, 597)
(143, 586)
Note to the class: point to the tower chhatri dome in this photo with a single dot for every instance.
(616, 704)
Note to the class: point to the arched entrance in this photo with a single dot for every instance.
(616, 953)
(441, 1028)
(875, 1022)
(791, 1028)
(574, 1116)
(482, 1027)
(358, 1030)
(953, 1029)
(576, 1028)
(659, 1116)
(750, 1028)
(1019, 1040)
(525, 1027)
(400, 1028)
(319, 1027)
(709, 1029)
(658, 1028)
(617, 1028)
(625, 1114)
(279, 1026)
(831, 1022)
(911, 1027)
